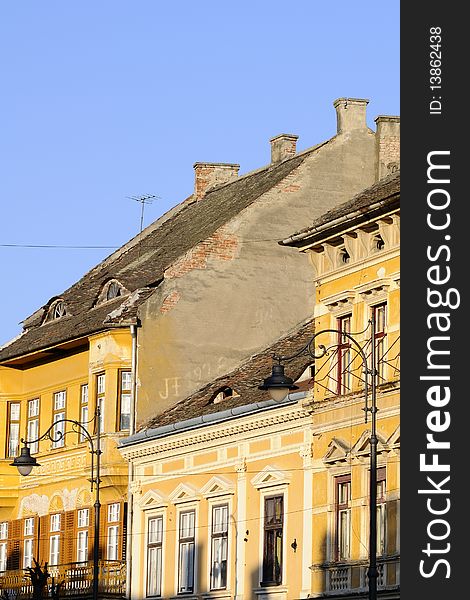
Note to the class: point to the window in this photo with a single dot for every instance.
(28, 542)
(379, 313)
(84, 409)
(54, 549)
(13, 429)
(343, 376)
(125, 383)
(186, 551)
(32, 428)
(343, 517)
(154, 556)
(100, 394)
(113, 512)
(381, 512)
(219, 547)
(112, 543)
(3, 556)
(82, 545)
(83, 521)
(273, 534)
(55, 522)
(58, 417)
(58, 310)
(3, 546)
(114, 290)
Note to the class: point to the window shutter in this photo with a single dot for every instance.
(43, 531)
(123, 532)
(103, 532)
(15, 556)
(36, 543)
(70, 537)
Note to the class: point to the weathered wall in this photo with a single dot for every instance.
(239, 291)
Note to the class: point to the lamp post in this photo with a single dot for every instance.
(25, 464)
(279, 385)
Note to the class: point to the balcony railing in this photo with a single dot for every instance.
(351, 576)
(74, 579)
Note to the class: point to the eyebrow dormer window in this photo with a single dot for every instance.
(114, 290)
(56, 311)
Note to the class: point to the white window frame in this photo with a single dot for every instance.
(84, 410)
(54, 549)
(28, 552)
(3, 556)
(55, 522)
(100, 395)
(13, 442)
(4, 530)
(124, 394)
(82, 545)
(339, 541)
(185, 508)
(158, 545)
(112, 542)
(58, 414)
(83, 517)
(214, 504)
(114, 512)
(29, 527)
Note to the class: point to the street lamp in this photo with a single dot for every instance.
(25, 464)
(279, 385)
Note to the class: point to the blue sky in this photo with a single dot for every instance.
(110, 99)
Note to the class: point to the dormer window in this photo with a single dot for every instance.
(114, 290)
(222, 395)
(56, 311)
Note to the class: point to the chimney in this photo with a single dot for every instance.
(283, 146)
(351, 114)
(209, 174)
(387, 146)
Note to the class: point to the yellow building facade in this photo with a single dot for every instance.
(48, 516)
(237, 496)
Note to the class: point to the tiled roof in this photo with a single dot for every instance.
(140, 264)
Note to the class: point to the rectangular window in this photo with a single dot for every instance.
(13, 429)
(29, 526)
(381, 512)
(55, 522)
(113, 512)
(28, 553)
(112, 542)
(273, 536)
(380, 317)
(343, 517)
(100, 395)
(154, 556)
(3, 556)
(54, 549)
(83, 519)
(219, 547)
(124, 410)
(84, 409)
(343, 374)
(4, 530)
(82, 545)
(32, 428)
(186, 543)
(57, 417)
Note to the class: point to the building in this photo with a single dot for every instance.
(147, 328)
(237, 496)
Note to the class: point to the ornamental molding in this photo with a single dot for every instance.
(217, 486)
(340, 301)
(207, 437)
(268, 477)
(375, 287)
(183, 493)
(151, 499)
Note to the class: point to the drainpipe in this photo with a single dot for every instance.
(130, 508)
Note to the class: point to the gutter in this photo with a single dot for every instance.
(210, 419)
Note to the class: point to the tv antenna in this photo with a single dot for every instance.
(144, 199)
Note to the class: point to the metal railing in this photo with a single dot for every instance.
(73, 579)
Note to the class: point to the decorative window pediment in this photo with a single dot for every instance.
(341, 301)
(151, 499)
(338, 451)
(362, 446)
(183, 493)
(217, 486)
(394, 440)
(269, 476)
(376, 288)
